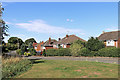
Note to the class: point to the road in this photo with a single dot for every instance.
(95, 59)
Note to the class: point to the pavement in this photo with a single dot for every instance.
(94, 59)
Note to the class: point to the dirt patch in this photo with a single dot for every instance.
(97, 73)
(78, 70)
(84, 76)
(110, 70)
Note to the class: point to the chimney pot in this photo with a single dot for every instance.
(49, 40)
(67, 36)
(59, 39)
(103, 32)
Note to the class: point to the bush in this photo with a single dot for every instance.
(14, 66)
(27, 54)
(51, 52)
(75, 49)
(63, 52)
(32, 51)
(109, 52)
(44, 52)
(18, 51)
(84, 52)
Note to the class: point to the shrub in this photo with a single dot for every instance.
(80, 42)
(84, 52)
(18, 51)
(75, 49)
(51, 52)
(44, 52)
(63, 52)
(14, 66)
(32, 51)
(27, 54)
(109, 52)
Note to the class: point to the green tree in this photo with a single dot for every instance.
(94, 44)
(12, 46)
(4, 47)
(80, 42)
(3, 26)
(29, 40)
(30, 45)
(15, 41)
(23, 48)
(75, 49)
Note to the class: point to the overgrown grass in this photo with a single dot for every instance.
(71, 69)
(14, 66)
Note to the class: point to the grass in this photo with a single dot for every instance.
(71, 69)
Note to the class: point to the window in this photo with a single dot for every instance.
(110, 43)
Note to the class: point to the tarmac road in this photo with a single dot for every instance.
(95, 59)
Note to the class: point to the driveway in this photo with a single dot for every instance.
(95, 59)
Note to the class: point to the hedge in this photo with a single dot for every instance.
(14, 66)
(58, 52)
(84, 52)
(109, 52)
(51, 52)
(63, 52)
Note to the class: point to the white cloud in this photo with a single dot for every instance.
(41, 26)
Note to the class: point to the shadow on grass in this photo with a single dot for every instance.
(40, 61)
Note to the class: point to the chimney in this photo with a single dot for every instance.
(67, 36)
(103, 32)
(59, 39)
(49, 40)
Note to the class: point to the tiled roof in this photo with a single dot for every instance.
(113, 35)
(35, 44)
(68, 40)
(47, 42)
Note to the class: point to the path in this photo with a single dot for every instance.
(96, 59)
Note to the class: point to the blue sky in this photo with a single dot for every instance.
(41, 20)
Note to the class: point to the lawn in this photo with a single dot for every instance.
(71, 69)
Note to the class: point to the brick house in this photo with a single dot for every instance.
(38, 46)
(54, 44)
(111, 39)
(66, 41)
(49, 43)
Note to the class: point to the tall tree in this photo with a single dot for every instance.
(94, 44)
(29, 40)
(3, 26)
(15, 40)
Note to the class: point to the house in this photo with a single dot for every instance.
(66, 41)
(110, 39)
(38, 46)
(49, 43)
(54, 44)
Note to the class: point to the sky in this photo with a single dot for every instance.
(41, 20)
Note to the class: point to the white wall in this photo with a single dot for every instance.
(110, 43)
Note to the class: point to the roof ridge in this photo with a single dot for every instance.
(112, 31)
